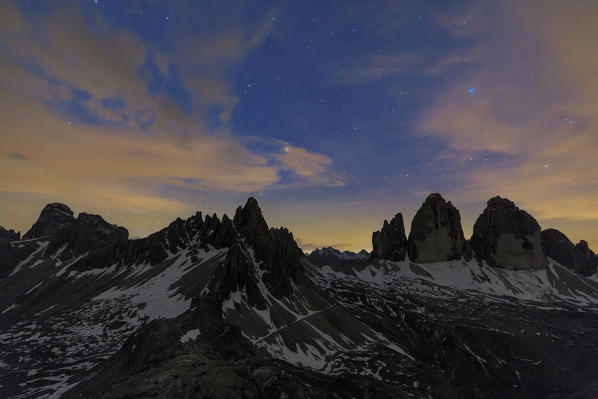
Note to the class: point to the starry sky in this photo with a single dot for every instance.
(334, 114)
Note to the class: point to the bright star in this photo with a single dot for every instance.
(286, 149)
(472, 90)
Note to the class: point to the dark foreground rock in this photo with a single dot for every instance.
(506, 236)
(8, 235)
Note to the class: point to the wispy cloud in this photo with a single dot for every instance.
(532, 99)
(106, 118)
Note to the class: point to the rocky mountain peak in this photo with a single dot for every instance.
(53, 217)
(92, 235)
(252, 246)
(499, 202)
(557, 246)
(506, 236)
(390, 242)
(249, 219)
(436, 234)
(252, 226)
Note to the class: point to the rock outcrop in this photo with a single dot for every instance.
(436, 234)
(390, 242)
(9, 235)
(506, 236)
(52, 218)
(557, 246)
(90, 232)
(583, 247)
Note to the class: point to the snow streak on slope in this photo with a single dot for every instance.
(447, 279)
(307, 328)
(47, 352)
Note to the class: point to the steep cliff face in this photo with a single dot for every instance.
(390, 242)
(583, 247)
(506, 236)
(51, 220)
(557, 246)
(436, 234)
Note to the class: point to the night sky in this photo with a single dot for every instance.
(334, 114)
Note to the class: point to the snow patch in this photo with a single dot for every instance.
(190, 335)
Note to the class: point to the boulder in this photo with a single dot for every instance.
(506, 236)
(390, 242)
(436, 234)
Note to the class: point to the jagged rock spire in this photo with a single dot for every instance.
(436, 234)
(254, 246)
(390, 242)
(506, 236)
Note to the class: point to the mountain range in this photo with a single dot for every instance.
(213, 307)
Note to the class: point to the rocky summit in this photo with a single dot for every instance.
(557, 246)
(214, 307)
(436, 234)
(506, 236)
(52, 218)
(390, 242)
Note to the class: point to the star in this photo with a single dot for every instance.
(472, 90)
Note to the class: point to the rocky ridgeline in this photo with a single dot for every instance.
(332, 256)
(503, 236)
(250, 241)
(577, 257)
(100, 244)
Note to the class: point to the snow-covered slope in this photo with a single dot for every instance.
(553, 285)
(214, 308)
